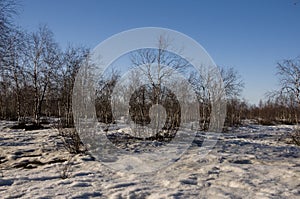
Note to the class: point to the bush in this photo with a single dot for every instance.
(65, 171)
(295, 136)
(72, 140)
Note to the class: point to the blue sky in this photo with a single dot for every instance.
(249, 35)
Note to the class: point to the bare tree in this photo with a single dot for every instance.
(204, 85)
(232, 81)
(233, 85)
(287, 97)
(43, 63)
(72, 60)
(8, 9)
(105, 87)
(36, 77)
(202, 81)
(14, 66)
(288, 72)
(157, 66)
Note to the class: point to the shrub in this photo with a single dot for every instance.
(72, 140)
(65, 171)
(295, 136)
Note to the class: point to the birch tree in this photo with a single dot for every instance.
(42, 67)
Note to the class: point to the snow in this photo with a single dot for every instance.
(248, 162)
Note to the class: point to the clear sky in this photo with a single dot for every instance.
(249, 35)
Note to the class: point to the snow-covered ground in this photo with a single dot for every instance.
(249, 162)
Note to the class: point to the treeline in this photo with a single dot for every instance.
(268, 112)
(281, 106)
(37, 79)
(36, 75)
(160, 77)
